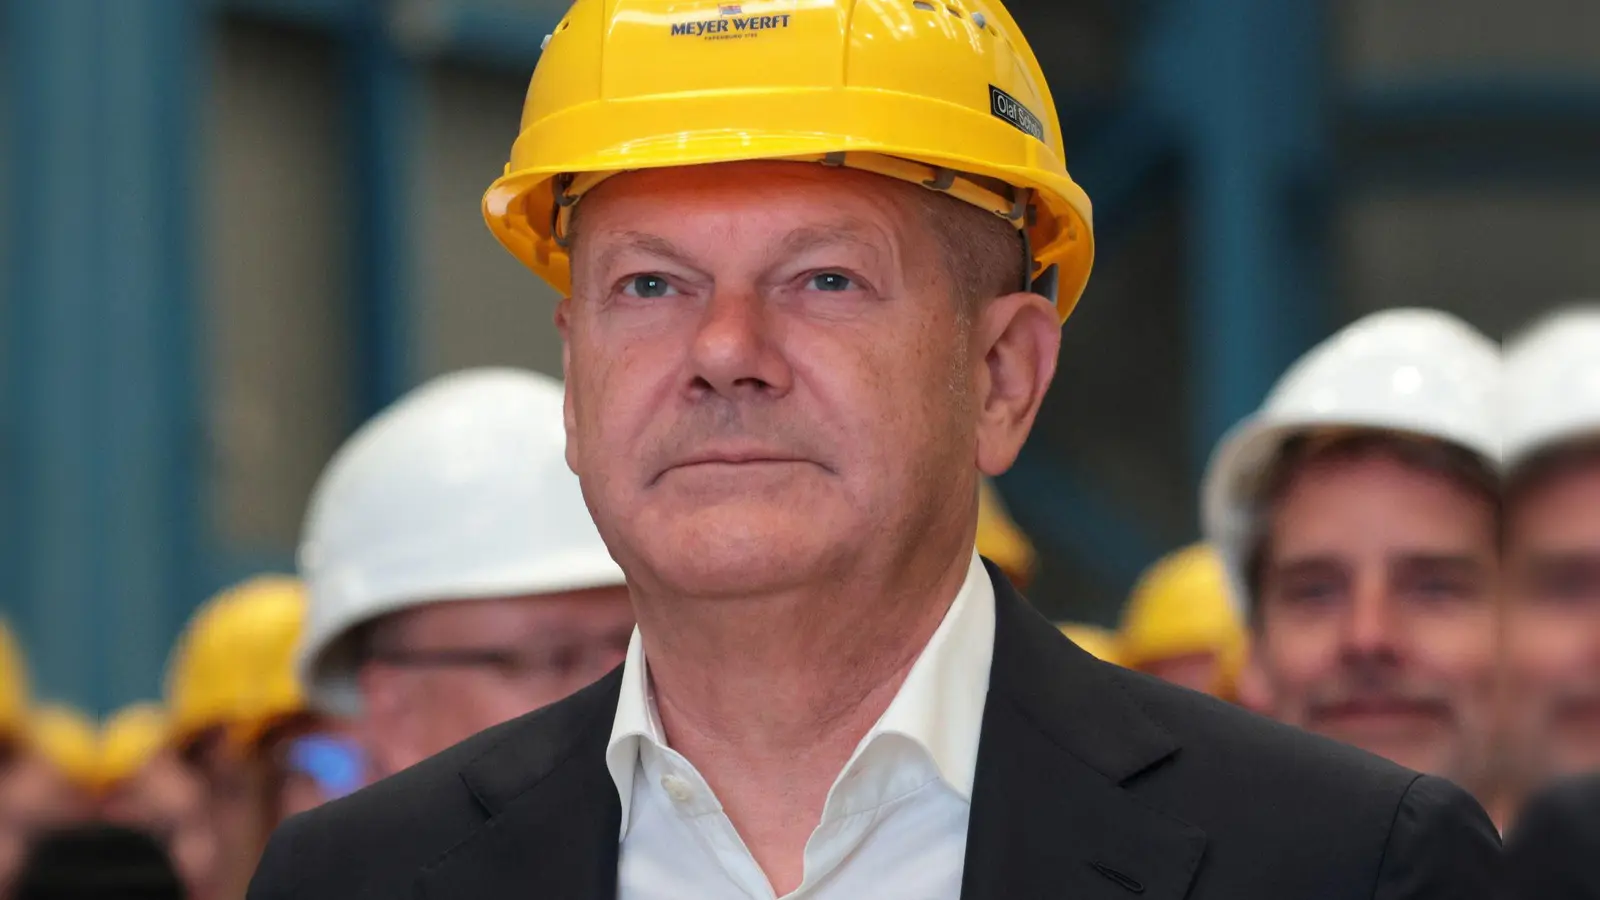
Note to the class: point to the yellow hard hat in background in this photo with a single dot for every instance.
(130, 740)
(274, 692)
(1101, 643)
(14, 695)
(947, 95)
(68, 740)
(219, 672)
(1180, 607)
(999, 538)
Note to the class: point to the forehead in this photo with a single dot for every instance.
(689, 202)
(1564, 507)
(1376, 505)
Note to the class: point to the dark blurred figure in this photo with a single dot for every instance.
(1552, 551)
(89, 862)
(1553, 853)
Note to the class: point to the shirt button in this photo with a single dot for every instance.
(677, 788)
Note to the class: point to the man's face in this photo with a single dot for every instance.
(768, 378)
(168, 800)
(1553, 625)
(1377, 620)
(446, 671)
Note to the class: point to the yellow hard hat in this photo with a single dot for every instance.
(946, 94)
(67, 739)
(226, 668)
(1100, 642)
(1000, 539)
(131, 738)
(1181, 606)
(14, 700)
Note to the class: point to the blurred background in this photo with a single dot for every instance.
(231, 230)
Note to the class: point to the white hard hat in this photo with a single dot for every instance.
(1552, 392)
(1412, 371)
(459, 491)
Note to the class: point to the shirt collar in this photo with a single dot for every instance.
(939, 707)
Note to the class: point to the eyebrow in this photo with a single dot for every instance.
(649, 244)
(1454, 562)
(850, 232)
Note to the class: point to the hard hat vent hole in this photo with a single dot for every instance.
(563, 26)
(923, 5)
(953, 11)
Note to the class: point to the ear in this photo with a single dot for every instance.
(569, 419)
(1019, 338)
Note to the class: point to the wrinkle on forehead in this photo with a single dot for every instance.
(833, 224)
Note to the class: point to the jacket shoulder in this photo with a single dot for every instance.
(382, 836)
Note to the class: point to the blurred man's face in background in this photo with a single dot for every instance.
(34, 797)
(1553, 621)
(1377, 615)
(440, 673)
(167, 799)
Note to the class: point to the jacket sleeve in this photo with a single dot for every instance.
(1441, 845)
(277, 875)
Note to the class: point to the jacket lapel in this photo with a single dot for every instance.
(1051, 816)
(553, 814)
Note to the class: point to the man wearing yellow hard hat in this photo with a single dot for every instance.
(226, 675)
(816, 256)
(144, 784)
(1181, 624)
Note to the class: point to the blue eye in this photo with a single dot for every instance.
(832, 281)
(648, 287)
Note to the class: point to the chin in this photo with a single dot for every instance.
(716, 552)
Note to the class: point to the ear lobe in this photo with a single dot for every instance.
(1021, 336)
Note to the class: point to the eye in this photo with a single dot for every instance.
(648, 287)
(832, 281)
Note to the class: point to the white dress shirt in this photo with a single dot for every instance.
(894, 826)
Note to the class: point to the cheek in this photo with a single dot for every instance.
(1295, 660)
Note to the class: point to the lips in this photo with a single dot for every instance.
(1382, 713)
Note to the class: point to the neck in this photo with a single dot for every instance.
(769, 695)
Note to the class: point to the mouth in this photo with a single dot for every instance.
(735, 462)
(1381, 714)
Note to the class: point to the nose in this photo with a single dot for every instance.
(1371, 629)
(736, 354)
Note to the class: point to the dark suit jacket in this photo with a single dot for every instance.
(1093, 783)
(1553, 851)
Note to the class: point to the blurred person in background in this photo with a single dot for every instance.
(1101, 643)
(1357, 514)
(1182, 624)
(145, 785)
(456, 578)
(41, 762)
(1001, 541)
(1552, 550)
(298, 757)
(796, 337)
(213, 684)
(96, 861)
(1552, 850)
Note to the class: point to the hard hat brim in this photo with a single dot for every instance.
(603, 136)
